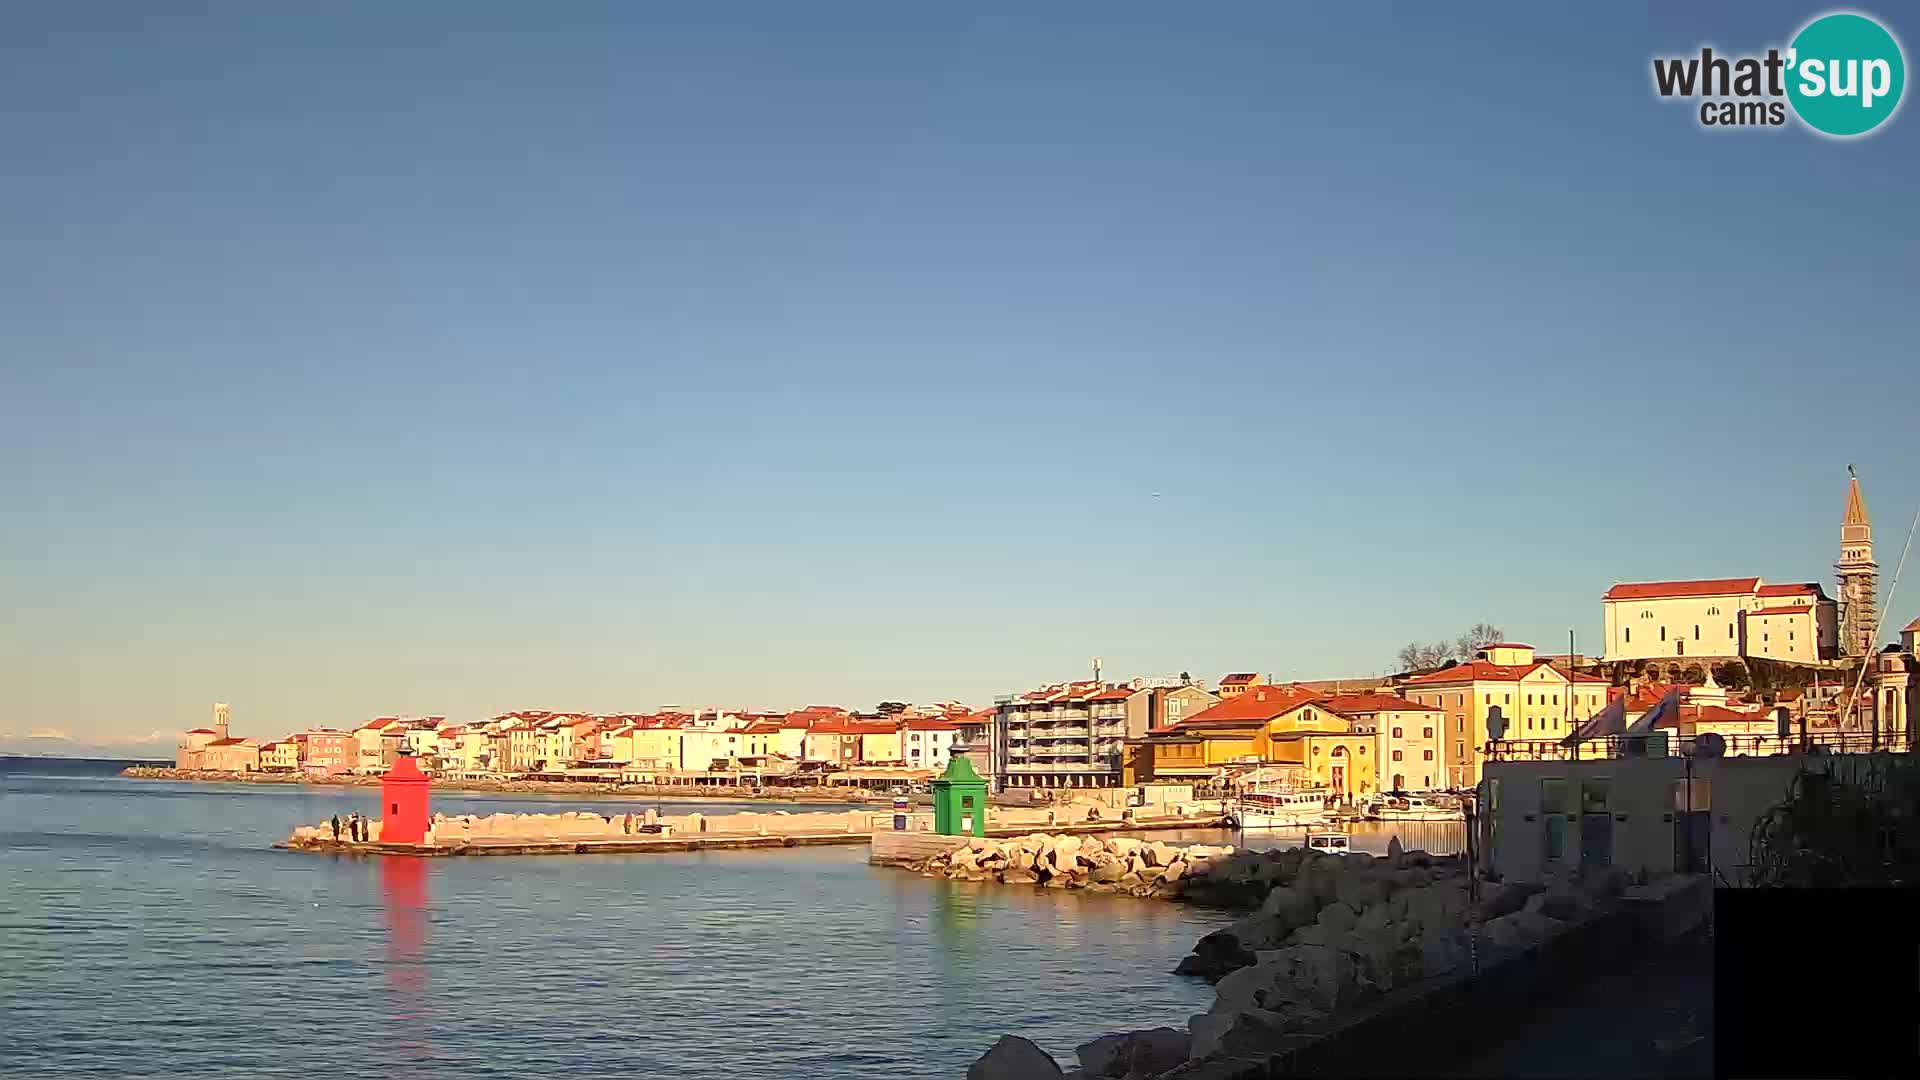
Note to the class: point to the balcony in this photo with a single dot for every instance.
(1666, 743)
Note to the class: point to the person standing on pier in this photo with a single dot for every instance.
(336, 828)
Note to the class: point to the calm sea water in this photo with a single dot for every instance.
(148, 929)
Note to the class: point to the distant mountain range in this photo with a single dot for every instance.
(155, 747)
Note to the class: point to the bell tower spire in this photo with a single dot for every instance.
(1858, 575)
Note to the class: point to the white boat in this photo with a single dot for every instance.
(1277, 809)
(1413, 808)
(1328, 843)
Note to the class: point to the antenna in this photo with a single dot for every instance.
(1096, 669)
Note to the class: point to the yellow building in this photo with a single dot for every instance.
(1539, 701)
(1239, 682)
(880, 742)
(1271, 725)
(282, 756)
(655, 747)
(1406, 738)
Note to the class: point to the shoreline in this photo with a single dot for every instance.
(643, 792)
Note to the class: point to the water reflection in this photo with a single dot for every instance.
(403, 890)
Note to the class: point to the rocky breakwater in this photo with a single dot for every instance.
(1327, 935)
(1098, 864)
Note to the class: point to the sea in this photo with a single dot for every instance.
(149, 929)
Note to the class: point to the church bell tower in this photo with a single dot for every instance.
(1858, 574)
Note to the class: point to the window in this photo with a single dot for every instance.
(1426, 755)
(1529, 699)
(1363, 751)
(1396, 733)
(1397, 755)
(1629, 633)
(1729, 629)
(1529, 723)
(1663, 633)
(1556, 699)
(1426, 733)
(1459, 723)
(1427, 780)
(1507, 699)
(1789, 635)
(1696, 631)
(1713, 611)
(1593, 796)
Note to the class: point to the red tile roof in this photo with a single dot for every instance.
(930, 724)
(1506, 645)
(1789, 609)
(1662, 590)
(1370, 703)
(1488, 671)
(1806, 589)
(1238, 677)
(202, 731)
(1118, 693)
(1257, 705)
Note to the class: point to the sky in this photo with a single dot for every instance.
(472, 357)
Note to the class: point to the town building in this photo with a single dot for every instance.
(1890, 698)
(1236, 683)
(282, 756)
(1406, 734)
(928, 742)
(1068, 735)
(1288, 733)
(1858, 576)
(329, 752)
(1720, 618)
(190, 753)
(1538, 701)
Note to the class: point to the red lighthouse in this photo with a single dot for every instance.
(403, 803)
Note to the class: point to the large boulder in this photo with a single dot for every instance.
(1133, 1053)
(1518, 930)
(1014, 1058)
(1216, 955)
(1107, 872)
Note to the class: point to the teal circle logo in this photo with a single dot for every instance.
(1845, 74)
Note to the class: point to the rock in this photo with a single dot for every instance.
(1518, 930)
(1014, 1058)
(1498, 900)
(1123, 845)
(1216, 955)
(1218, 1034)
(1131, 878)
(1156, 854)
(1019, 877)
(1338, 917)
(1133, 1053)
(1058, 881)
(1557, 904)
(1107, 873)
(1174, 871)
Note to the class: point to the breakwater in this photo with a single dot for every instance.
(1324, 939)
(586, 832)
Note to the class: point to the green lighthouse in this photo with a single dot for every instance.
(960, 800)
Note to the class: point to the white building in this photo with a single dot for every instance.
(927, 742)
(1720, 618)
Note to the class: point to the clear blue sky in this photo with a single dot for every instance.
(474, 357)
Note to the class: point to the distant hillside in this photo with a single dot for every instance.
(59, 746)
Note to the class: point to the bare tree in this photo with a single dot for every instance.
(1414, 655)
(1477, 637)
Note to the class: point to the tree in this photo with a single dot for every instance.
(890, 708)
(1414, 656)
(1478, 636)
